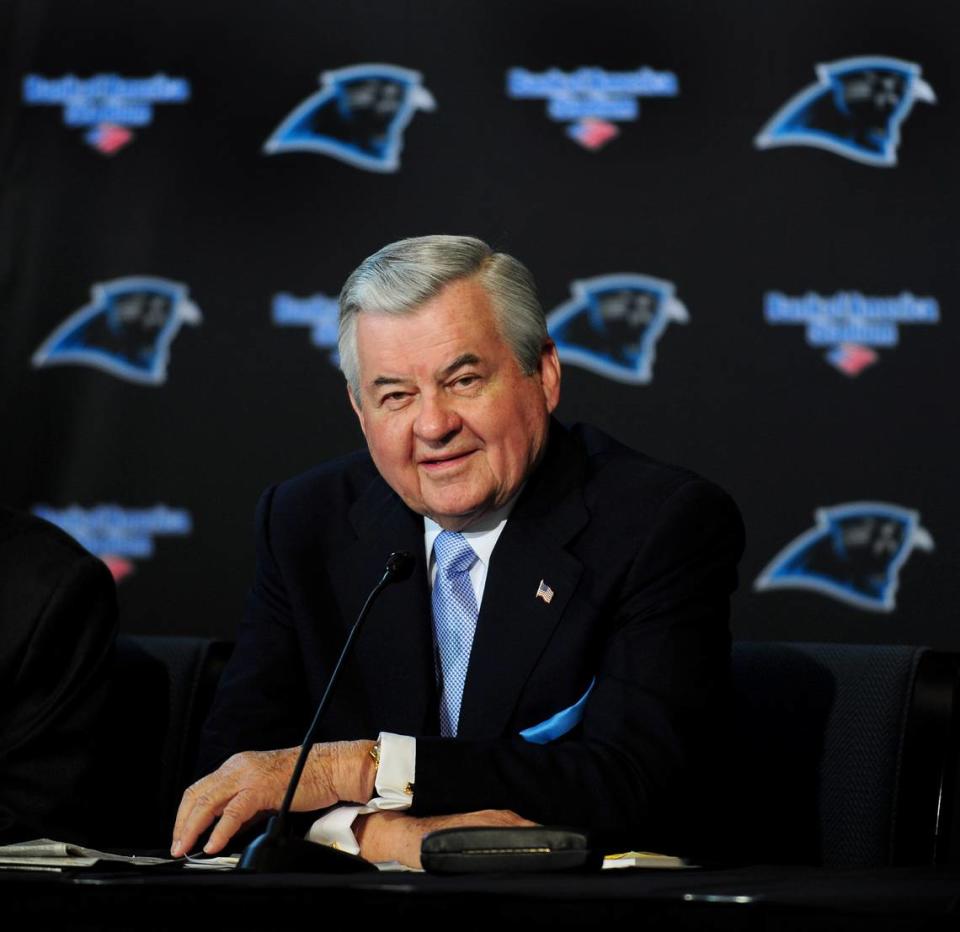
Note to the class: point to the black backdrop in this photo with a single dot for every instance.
(682, 194)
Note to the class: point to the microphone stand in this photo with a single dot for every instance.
(275, 851)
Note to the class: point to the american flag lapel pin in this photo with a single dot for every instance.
(544, 592)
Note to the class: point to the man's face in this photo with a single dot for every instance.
(452, 423)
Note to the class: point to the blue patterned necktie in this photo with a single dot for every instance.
(454, 622)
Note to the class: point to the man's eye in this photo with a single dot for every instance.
(466, 381)
(393, 399)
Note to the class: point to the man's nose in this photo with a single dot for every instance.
(437, 419)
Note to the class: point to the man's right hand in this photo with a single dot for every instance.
(254, 782)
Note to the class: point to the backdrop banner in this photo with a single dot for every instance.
(742, 218)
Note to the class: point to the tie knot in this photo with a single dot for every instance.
(454, 555)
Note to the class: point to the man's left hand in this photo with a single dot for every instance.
(254, 782)
(397, 836)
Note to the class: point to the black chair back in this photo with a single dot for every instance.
(845, 755)
(162, 691)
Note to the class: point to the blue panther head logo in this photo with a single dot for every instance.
(358, 116)
(612, 324)
(854, 554)
(855, 110)
(126, 329)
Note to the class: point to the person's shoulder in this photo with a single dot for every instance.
(31, 540)
(37, 558)
(609, 459)
(621, 477)
(347, 476)
(321, 494)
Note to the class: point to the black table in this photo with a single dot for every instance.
(760, 898)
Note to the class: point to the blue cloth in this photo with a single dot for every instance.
(454, 622)
(558, 725)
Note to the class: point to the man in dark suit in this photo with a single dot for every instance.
(561, 651)
(58, 619)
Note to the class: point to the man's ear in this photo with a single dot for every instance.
(550, 375)
(357, 410)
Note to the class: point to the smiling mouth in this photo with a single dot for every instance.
(445, 462)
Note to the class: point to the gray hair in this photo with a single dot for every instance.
(404, 275)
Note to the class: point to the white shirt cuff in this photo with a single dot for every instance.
(394, 784)
(396, 773)
(336, 829)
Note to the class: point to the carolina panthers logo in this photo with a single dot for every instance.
(126, 329)
(612, 323)
(855, 110)
(853, 554)
(358, 116)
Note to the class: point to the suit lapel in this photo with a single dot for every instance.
(515, 625)
(394, 651)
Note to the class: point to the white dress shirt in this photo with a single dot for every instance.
(396, 772)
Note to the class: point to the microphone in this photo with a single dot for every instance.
(399, 567)
(275, 851)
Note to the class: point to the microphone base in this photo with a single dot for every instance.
(277, 854)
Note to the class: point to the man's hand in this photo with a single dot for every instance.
(396, 836)
(254, 782)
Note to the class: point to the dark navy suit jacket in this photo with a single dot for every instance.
(641, 559)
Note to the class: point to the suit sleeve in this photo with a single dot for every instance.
(629, 773)
(55, 695)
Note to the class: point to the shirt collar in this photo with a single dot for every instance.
(482, 536)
